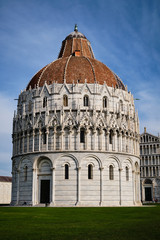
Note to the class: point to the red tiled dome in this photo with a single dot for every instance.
(75, 63)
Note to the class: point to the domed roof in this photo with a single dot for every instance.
(76, 63)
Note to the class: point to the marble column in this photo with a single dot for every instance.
(53, 186)
(33, 136)
(19, 143)
(100, 139)
(40, 134)
(93, 138)
(114, 140)
(78, 185)
(47, 133)
(120, 142)
(27, 141)
(34, 186)
(101, 185)
(23, 137)
(86, 139)
(120, 187)
(133, 185)
(54, 138)
(107, 140)
(124, 143)
(70, 137)
(18, 173)
(78, 140)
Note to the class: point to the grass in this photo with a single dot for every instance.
(128, 223)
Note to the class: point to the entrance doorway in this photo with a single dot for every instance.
(148, 194)
(45, 191)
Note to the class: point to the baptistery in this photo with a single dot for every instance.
(75, 134)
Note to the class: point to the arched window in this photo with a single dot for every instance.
(127, 174)
(86, 101)
(65, 101)
(25, 173)
(111, 173)
(66, 169)
(44, 102)
(90, 171)
(104, 102)
(82, 135)
(120, 105)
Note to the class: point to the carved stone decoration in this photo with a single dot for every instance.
(39, 123)
(70, 121)
(100, 121)
(86, 120)
(28, 123)
(54, 121)
(113, 122)
(124, 125)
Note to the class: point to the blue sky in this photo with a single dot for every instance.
(124, 35)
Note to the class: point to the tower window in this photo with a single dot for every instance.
(82, 136)
(44, 102)
(66, 171)
(111, 173)
(86, 101)
(90, 171)
(127, 174)
(25, 173)
(65, 101)
(104, 102)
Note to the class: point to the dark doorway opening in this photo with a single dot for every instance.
(148, 194)
(45, 191)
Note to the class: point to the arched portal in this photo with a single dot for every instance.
(148, 190)
(44, 173)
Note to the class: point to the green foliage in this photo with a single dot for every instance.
(119, 223)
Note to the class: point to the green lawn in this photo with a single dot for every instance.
(27, 223)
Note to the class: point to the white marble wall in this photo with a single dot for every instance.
(78, 189)
(5, 192)
(53, 133)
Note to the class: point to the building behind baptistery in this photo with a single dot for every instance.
(75, 134)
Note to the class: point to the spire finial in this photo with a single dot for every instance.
(75, 28)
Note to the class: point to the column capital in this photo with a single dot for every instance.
(101, 168)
